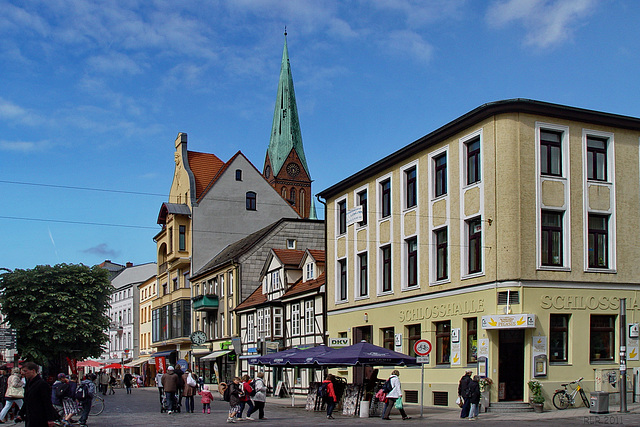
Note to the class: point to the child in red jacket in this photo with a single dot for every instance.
(206, 397)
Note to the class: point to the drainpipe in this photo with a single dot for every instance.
(325, 338)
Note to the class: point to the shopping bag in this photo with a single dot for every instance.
(459, 402)
(399, 403)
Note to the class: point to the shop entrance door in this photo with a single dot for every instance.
(362, 333)
(511, 364)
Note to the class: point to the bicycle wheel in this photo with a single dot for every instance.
(97, 406)
(561, 400)
(584, 398)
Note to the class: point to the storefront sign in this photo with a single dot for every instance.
(509, 321)
(581, 302)
(455, 335)
(483, 347)
(442, 310)
(339, 342)
(398, 342)
(354, 215)
(539, 356)
(455, 353)
(633, 347)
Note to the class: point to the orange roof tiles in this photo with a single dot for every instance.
(204, 166)
(301, 287)
(256, 298)
(289, 256)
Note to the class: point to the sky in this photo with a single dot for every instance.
(94, 93)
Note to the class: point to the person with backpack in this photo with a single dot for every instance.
(393, 395)
(127, 380)
(14, 393)
(259, 398)
(463, 392)
(84, 395)
(69, 402)
(179, 393)
(328, 395)
(59, 390)
(190, 387)
(233, 393)
(246, 398)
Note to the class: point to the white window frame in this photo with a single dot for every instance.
(295, 319)
(309, 271)
(433, 267)
(403, 185)
(379, 182)
(405, 264)
(358, 277)
(277, 322)
(432, 173)
(267, 322)
(464, 253)
(356, 199)
(309, 316)
(338, 281)
(380, 272)
(346, 207)
(463, 158)
(251, 331)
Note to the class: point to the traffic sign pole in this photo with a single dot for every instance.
(422, 348)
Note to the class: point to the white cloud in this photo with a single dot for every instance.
(114, 63)
(15, 113)
(24, 146)
(408, 43)
(547, 22)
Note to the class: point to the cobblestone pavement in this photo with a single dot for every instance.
(142, 408)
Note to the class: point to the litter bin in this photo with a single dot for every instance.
(599, 402)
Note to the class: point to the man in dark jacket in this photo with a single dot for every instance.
(37, 410)
(170, 385)
(463, 391)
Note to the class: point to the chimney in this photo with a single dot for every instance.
(129, 264)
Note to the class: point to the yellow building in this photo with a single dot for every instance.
(147, 291)
(507, 234)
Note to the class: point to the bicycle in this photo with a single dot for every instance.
(97, 405)
(562, 398)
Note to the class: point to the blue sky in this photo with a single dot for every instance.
(93, 94)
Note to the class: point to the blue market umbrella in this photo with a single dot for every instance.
(274, 359)
(307, 356)
(364, 353)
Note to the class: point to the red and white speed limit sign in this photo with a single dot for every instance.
(422, 347)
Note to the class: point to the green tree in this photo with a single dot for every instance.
(57, 312)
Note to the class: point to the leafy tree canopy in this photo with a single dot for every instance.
(57, 312)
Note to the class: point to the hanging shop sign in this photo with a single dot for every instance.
(509, 321)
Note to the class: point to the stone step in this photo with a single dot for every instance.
(509, 407)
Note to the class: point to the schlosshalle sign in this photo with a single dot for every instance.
(509, 321)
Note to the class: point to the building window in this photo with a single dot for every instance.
(182, 238)
(292, 196)
(309, 316)
(411, 192)
(441, 175)
(602, 337)
(343, 279)
(222, 289)
(596, 158)
(176, 284)
(598, 241)
(342, 217)
(165, 288)
(277, 322)
(291, 243)
(559, 337)
(251, 201)
(475, 245)
(309, 271)
(413, 334)
(231, 285)
(388, 339)
(364, 274)
(550, 153)
(170, 239)
(443, 342)
(295, 320)
(385, 198)
(302, 206)
(362, 201)
(238, 174)
(386, 268)
(472, 339)
(412, 262)
(267, 321)
(473, 161)
(275, 280)
(442, 250)
(251, 330)
(551, 242)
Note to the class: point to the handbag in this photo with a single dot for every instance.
(14, 392)
(459, 402)
(381, 396)
(191, 382)
(398, 404)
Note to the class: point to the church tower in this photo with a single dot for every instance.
(285, 166)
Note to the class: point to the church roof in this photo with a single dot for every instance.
(285, 131)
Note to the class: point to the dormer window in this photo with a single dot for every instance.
(309, 271)
(291, 243)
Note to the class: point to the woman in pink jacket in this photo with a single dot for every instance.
(206, 397)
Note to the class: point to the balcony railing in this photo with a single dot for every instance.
(207, 302)
(162, 268)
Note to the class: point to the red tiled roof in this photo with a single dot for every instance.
(204, 166)
(256, 298)
(289, 256)
(300, 287)
(317, 254)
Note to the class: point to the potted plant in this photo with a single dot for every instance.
(485, 387)
(537, 398)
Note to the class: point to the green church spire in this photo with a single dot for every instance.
(285, 132)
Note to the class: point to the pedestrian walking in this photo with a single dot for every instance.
(179, 392)
(170, 384)
(112, 384)
(394, 397)
(463, 391)
(260, 398)
(68, 400)
(160, 388)
(104, 381)
(37, 410)
(190, 388)
(329, 395)
(4, 379)
(474, 397)
(128, 382)
(59, 390)
(206, 397)
(235, 393)
(85, 404)
(14, 393)
(245, 400)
